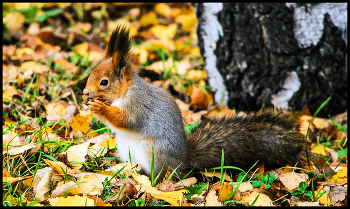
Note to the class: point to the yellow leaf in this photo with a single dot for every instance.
(76, 155)
(141, 179)
(81, 122)
(188, 22)
(71, 188)
(14, 21)
(21, 5)
(324, 199)
(341, 176)
(196, 74)
(128, 167)
(319, 149)
(9, 93)
(142, 52)
(164, 32)
(81, 48)
(112, 143)
(163, 9)
(95, 56)
(217, 174)
(34, 66)
(319, 123)
(172, 197)
(148, 19)
(59, 167)
(71, 201)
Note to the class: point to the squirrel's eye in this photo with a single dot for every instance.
(104, 82)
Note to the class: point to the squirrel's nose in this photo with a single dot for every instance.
(86, 91)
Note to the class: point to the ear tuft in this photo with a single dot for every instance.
(119, 45)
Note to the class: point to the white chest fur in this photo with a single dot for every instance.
(129, 141)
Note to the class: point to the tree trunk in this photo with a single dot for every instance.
(290, 55)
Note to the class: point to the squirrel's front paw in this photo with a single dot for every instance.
(97, 106)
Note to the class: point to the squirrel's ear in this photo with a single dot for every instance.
(119, 44)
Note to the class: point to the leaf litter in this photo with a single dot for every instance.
(45, 71)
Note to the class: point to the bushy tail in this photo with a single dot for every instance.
(265, 137)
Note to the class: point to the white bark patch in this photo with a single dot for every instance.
(210, 34)
(290, 86)
(309, 25)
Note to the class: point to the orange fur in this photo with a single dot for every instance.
(126, 82)
(115, 116)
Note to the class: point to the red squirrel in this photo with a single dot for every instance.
(144, 116)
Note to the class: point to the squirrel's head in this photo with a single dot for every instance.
(112, 76)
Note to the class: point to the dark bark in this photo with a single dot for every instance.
(258, 50)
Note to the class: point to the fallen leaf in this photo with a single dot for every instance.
(56, 108)
(338, 194)
(76, 155)
(14, 21)
(196, 74)
(59, 167)
(245, 186)
(42, 183)
(324, 199)
(81, 49)
(69, 67)
(18, 150)
(291, 180)
(212, 199)
(71, 201)
(263, 200)
(225, 190)
(92, 186)
(9, 93)
(172, 197)
(308, 204)
(102, 175)
(128, 167)
(148, 19)
(164, 32)
(81, 121)
(319, 149)
(200, 99)
(70, 188)
(167, 186)
(96, 151)
(34, 66)
(341, 176)
(163, 9)
(188, 22)
(186, 182)
(217, 174)
(127, 193)
(111, 142)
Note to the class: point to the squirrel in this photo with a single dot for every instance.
(146, 119)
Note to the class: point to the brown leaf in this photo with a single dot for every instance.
(200, 99)
(167, 186)
(124, 195)
(186, 182)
